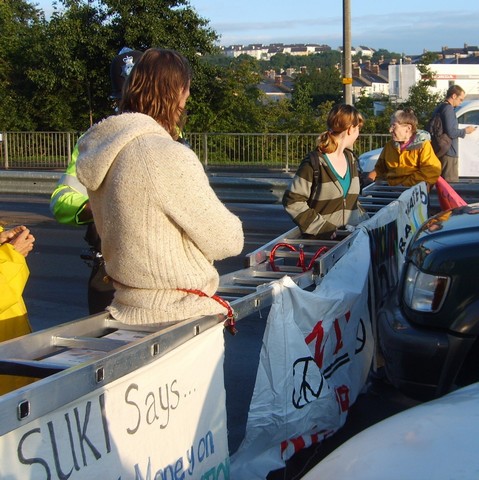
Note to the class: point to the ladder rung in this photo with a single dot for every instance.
(103, 344)
(29, 368)
(236, 289)
(311, 241)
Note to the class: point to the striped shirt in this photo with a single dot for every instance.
(319, 213)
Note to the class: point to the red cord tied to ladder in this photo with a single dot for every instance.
(230, 322)
(301, 258)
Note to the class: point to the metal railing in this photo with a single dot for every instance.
(36, 150)
(283, 151)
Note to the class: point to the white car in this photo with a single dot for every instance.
(436, 440)
(367, 161)
(467, 114)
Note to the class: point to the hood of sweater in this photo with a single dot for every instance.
(417, 141)
(100, 145)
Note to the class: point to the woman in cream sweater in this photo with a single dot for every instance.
(160, 222)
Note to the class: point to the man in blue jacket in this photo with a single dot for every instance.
(449, 161)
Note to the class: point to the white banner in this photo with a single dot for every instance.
(316, 354)
(409, 211)
(166, 421)
(390, 232)
(318, 346)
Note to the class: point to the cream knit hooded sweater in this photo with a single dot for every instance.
(160, 222)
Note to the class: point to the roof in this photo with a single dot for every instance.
(372, 77)
(360, 82)
(471, 60)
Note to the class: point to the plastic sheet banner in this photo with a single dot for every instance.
(316, 354)
(318, 346)
(166, 420)
(390, 232)
(408, 213)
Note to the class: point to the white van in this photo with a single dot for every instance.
(436, 439)
(467, 114)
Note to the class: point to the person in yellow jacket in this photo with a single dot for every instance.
(408, 158)
(15, 245)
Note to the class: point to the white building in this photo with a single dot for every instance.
(369, 80)
(402, 77)
(265, 52)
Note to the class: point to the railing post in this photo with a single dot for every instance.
(286, 169)
(205, 147)
(5, 149)
(69, 148)
(1, 141)
(264, 145)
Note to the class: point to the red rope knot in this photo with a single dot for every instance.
(230, 322)
(301, 257)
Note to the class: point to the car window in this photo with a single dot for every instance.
(471, 118)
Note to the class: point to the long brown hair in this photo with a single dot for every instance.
(340, 118)
(155, 86)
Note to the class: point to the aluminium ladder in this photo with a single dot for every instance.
(74, 359)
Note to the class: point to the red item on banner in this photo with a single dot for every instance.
(448, 197)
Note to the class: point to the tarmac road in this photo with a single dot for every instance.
(56, 293)
(56, 290)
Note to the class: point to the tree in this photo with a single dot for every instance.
(325, 85)
(420, 99)
(169, 24)
(375, 123)
(303, 118)
(277, 117)
(21, 25)
(382, 55)
(233, 102)
(55, 75)
(75, 82)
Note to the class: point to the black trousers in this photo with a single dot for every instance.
(100, 289)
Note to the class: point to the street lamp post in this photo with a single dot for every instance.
(347, 67)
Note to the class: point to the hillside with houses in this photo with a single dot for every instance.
(378, 79)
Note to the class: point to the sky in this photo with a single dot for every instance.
(401, 26)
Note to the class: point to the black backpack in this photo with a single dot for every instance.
(440, 140)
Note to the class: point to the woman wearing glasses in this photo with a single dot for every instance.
(408, 158)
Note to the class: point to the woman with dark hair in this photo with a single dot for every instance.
(323, 194)
(408, 158)
(160, 222)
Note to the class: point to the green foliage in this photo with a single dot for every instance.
(231, 100)
(375, 123)
(384, 55)
(323, 85)
(54, 74)
(420, 99)
(21, 28)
